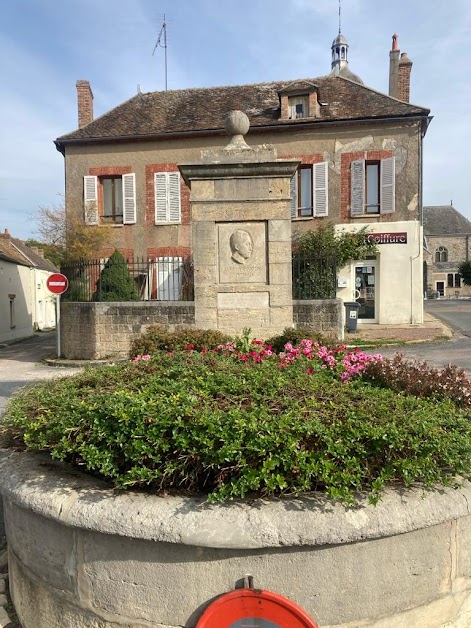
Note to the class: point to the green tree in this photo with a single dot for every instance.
(115, 283)
(53, 253)
(465, 271)
(344, 245)
(319, 252)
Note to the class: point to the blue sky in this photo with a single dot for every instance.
(46, 45)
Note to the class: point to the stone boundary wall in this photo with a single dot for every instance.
(325, 316)
(97, 331)
(83, 555)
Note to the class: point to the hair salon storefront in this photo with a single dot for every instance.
(387, 286)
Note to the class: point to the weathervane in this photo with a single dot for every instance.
(340, 17)
(163, 32)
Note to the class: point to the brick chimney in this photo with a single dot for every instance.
(405, 68)
(394, 67)
(85, 103)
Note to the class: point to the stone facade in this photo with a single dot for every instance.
(448, 243)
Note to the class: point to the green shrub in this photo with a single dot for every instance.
(294, 336)
(209, 423)
(159, 338)
(115, 283)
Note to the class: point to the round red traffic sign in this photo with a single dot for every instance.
(57, 283)
(250, 608)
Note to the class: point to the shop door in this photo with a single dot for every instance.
(366, 288)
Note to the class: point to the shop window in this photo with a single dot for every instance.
(441, 254)
(309, 191)
(450, 280)
(457, 280)
(373, 187)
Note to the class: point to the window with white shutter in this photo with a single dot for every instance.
(373, 187)
(90, 200)
(167, 197)
(129, 199)
(309, 191)
(320, 189)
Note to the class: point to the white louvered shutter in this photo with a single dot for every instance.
(293, 188)
(90, 200)
(160, 188)
(357, 188)
(388, 191)
(129, 199)
(320, 186)
(173, 194)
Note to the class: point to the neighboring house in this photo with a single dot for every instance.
(26, 304)
(447, 236)
(360, 152)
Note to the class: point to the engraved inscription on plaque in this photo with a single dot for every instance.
(242, 254)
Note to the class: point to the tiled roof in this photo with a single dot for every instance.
(204, 109)
(445, 220)
(15, 251)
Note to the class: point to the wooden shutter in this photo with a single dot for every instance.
(357, 207)
(90, 200)
(387, 186)
(293, 188)
(167, 197)
(129, 199)
(320, 186)
(173, 194)
(160, 188)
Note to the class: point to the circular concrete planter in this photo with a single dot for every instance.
(84, 555)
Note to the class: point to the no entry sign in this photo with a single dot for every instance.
(57, 283)
(254, 608)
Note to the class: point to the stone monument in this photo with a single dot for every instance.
(241, 235)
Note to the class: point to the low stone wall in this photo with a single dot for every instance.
(96, 331)
(324, 316)
(82, 555)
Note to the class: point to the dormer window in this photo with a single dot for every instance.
(298, 107)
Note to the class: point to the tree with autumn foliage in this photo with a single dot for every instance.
(67, 236)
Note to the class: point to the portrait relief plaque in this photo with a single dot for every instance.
(242, 254)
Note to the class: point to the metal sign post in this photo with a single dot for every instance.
(58, 284)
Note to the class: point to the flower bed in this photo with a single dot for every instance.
(242, 420)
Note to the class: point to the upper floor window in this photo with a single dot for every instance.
(373, 187)
(298, 107)
(309, 191)
(110, 199)
(441, 254)
(167, 197)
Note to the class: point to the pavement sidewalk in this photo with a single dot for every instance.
(431, 329)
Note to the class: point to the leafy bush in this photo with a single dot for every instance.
(159, 338)
(232, 424)
(294, 336)
(465, 271)
(420, 379)
(115, 283)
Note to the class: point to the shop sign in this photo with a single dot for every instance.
(394, 237)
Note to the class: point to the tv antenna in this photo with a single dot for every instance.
(162, 37)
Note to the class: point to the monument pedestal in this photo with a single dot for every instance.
(241, 238)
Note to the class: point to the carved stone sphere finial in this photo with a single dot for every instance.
(237, 123)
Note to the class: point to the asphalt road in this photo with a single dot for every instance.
(21, 363)
(456, 314)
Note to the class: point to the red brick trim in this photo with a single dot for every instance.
(314, 158)
(168, 251)
(151, 169)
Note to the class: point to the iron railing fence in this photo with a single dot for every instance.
(314, 277)
(160, 279)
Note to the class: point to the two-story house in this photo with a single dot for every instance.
(361, 164)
